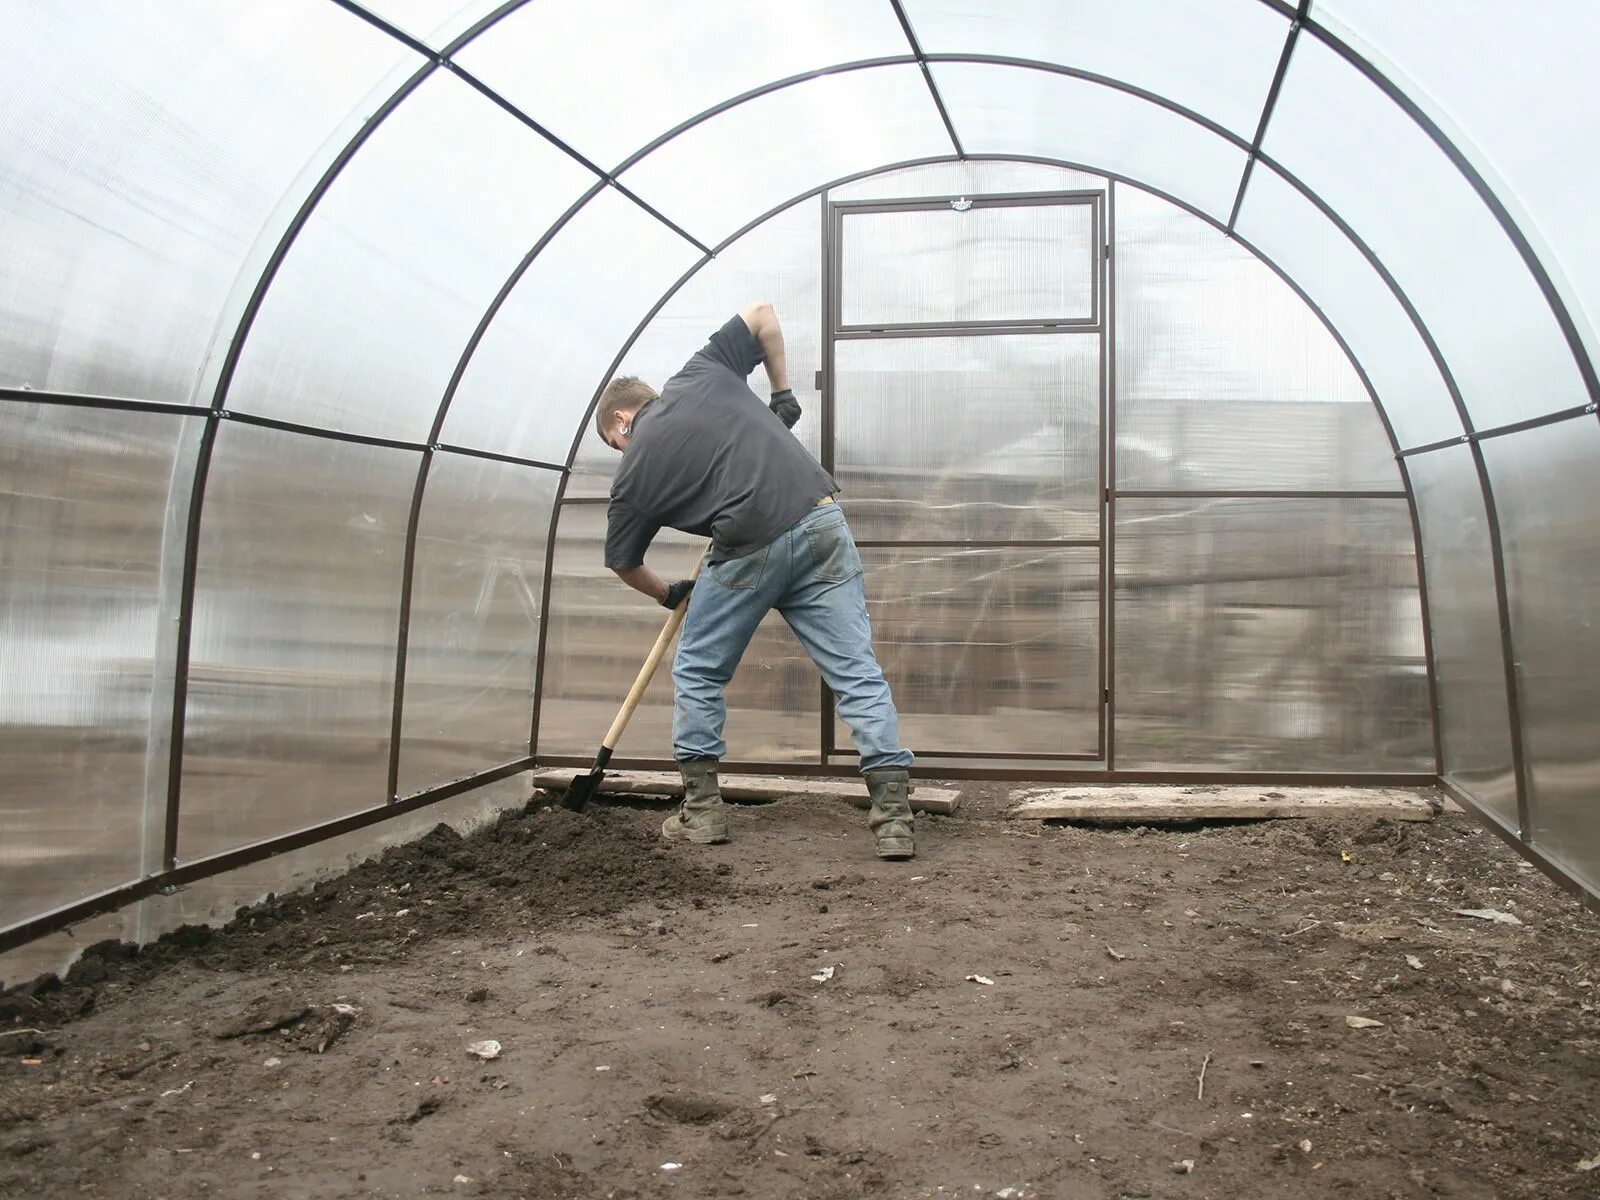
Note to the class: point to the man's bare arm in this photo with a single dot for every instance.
(643, 579)
(763, 324)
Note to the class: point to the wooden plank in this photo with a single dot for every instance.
(1165, 803)
(746, 787)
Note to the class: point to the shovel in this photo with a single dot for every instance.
(584, 787)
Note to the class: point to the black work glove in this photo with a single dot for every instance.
(786, 406)
(677, 593)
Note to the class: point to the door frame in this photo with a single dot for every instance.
(1098, 324)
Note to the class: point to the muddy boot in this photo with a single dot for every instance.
(702, 817)
(890, 818)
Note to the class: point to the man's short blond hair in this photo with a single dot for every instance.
(623, 394)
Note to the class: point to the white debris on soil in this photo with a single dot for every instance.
(486, 1049)
(983, 979)
(1488, 914)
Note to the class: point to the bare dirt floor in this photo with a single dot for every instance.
(1022, 1011)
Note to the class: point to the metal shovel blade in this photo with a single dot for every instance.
(582, 790)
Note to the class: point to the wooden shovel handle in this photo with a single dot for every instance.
(647, 672)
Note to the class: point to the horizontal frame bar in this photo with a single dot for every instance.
(806, 770)
(956, 544)
(113, 403)
(1083, 197)
(859, 333)
(469, 452)
(1257, 494)
(332, 435)
(1086, 756)
(1479, 435)
(26, 931)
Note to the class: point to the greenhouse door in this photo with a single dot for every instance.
(963, 415)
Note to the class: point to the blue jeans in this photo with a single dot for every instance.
(812, 575)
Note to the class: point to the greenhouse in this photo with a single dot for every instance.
(1210, 390)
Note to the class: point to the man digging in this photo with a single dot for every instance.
(707, 457)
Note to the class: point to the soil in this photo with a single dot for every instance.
(1024, 1010)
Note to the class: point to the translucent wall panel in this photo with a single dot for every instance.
(1217, 58)
(1363, 155)
(371, 310)
(781, 261)
(145, 148)
(1465, 621)
(988, 263)
(970, 178)
(988, 651)
(991, 438)
(297, 608)
(1547, 491)
(547, 350)
(83, 497)
(1269, 635)
(1004, 110)
(1225, 379)
(600, 632)
(1461, 62)
(435, 22)
(721, 174)
(607, 76)
(1286, 227)
(475, 603)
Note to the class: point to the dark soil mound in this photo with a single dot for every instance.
(532, 866)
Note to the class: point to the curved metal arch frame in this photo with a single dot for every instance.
(442, 59)
(1114, 179)
(1297, 15)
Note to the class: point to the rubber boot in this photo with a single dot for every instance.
(702, 818)
(890, 819)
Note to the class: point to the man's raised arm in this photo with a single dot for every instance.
(762, 322)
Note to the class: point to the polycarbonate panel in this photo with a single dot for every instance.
(986, 438)
(547, 349)
(435, 22)
(1225, 378)
(216, 900)
(147, 153)
(987, 651)
(1354, 146)
(1217, 58)
(1269, 635)
(1006, 262)
(83, 497)
(366, 320)
(608, 76)
(781, 261)
(296, 615)
(723, 173)
(476, 593)
(1011, 110)
(600, 632)
(1474, 728)
(1286, 227)
(1442, 56)
(1546, 492)
(966, 179)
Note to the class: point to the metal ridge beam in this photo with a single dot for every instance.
(1267, 108)
(927, 75)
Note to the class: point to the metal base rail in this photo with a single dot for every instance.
(57, 919)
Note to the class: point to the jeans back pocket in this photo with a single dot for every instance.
(834, 557)
(740, 574)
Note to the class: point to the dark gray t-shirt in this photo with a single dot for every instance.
(711, 458)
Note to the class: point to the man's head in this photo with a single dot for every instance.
(619, 403)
